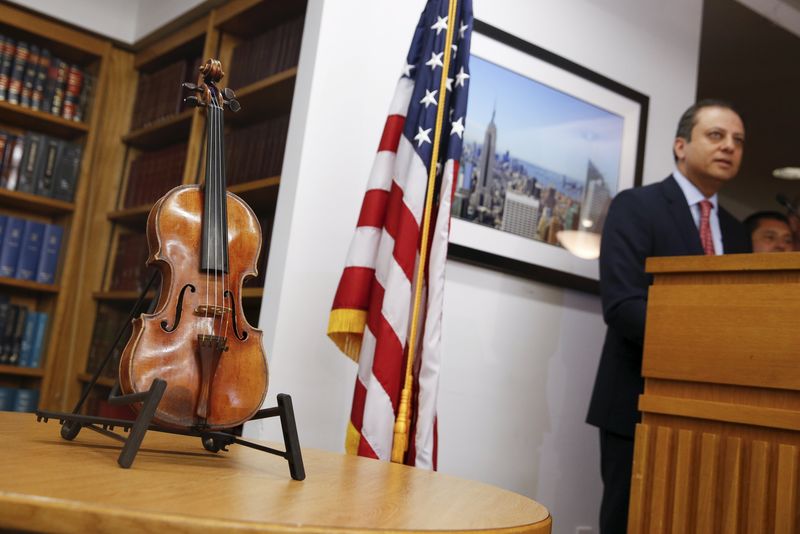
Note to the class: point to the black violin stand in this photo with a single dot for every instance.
(213, 441)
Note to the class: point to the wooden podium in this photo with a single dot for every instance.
(717, 449)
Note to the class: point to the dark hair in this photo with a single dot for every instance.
(753, 221)
(689, 117)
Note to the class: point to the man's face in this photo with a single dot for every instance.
(772, 236)
(714, 154)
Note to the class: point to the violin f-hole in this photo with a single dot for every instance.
(178, 310)
(240, 336)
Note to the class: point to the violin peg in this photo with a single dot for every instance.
(228, 93)
(192, 101)
(191, 86)
(234, 105)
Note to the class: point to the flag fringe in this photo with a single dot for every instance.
(352, 439)
(346, 329)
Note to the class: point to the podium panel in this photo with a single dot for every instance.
(718, 446)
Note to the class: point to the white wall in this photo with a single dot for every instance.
(520, 356)
(125, 21)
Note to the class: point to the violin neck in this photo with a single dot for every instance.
(215, 210)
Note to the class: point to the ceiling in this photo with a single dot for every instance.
(755, 64)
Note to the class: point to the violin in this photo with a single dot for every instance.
(205, 242)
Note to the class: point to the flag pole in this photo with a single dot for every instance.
(401, 425)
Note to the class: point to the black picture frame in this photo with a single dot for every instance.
(479, 251)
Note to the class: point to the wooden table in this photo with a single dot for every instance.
(52, 485)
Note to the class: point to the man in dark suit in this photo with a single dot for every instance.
(678, 216)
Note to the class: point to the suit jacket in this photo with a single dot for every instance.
(654, 220)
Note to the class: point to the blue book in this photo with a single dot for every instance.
(12, 240)
(28, 336)
(3, 221)
(26, 400)
(7, 398)
(48, 260)
(38, 340)
(30, 250)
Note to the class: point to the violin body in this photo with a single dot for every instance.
(198, 338)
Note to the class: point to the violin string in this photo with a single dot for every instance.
(223, 207)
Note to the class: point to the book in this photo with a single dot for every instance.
(7, 334)
(30, 250)
(59, 85)
(41, 77)
(72, 92)
(32, 160)
(65, 176)
(26, 400)
(17, 72)
(15, 341)
(5, 313)
(12, 241)
(28, 335)
(39, 336)
(48, 259)
(29, 77)
(7, 49)
(3, 221)
(7, 397)
(12, 160)
(45, 177)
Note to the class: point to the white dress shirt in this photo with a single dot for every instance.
(693, 198)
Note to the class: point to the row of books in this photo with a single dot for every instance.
(271, 52)
(159, 94)
(130, 272)
(18, 399)
(154, 173)
(31, 77)
(22, 334)
(29, 249)
(256, 151)
(39, 164)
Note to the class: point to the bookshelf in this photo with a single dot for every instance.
(116, 214)
(90, 56)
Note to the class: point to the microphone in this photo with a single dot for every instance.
(786, 203)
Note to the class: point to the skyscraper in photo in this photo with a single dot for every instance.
(486, 164)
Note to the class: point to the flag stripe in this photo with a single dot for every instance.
(373, 210)
(353, 291)
(392, 131)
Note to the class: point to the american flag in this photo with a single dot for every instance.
(371, 315)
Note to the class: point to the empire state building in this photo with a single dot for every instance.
(486, 164)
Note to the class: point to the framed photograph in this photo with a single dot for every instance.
(547, 144)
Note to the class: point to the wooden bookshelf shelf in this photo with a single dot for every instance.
(27, 285)
(268, 97)
(34, 203)
(21, 371)
(162, 132)
(132, 217)
(252, 293)
(41, 122)
(101, 381)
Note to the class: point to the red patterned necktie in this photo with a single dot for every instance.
(705, 228)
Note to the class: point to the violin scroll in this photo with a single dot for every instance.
(210, 74)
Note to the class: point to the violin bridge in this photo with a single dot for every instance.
(212, 311)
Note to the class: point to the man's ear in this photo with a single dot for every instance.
(678, 147)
